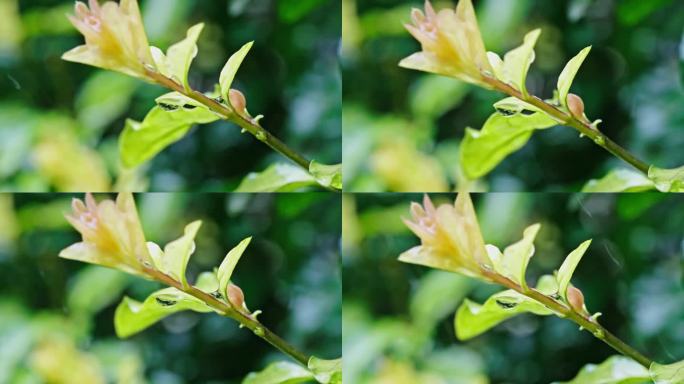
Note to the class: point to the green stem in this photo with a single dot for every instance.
(226, 309)
(249, 125)
(565, 311)
(583, 127)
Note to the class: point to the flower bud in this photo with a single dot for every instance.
(576, 106)
(576, 299)
(238, 101)
(235, 296)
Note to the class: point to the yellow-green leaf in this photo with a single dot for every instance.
(174, 259)
(176, 63)
(326, 371)
(516, 257)
(620, 180)
(516, 63)
(279, 177)
(230, 69)
(280, 372)
(614, 370)
(667, 180)
(473, 319)
(568, 267)
(327, 175)
(228, 264)
(667, 374)
(133, 316)
(567, 76)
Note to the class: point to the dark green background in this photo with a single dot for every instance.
(632, 273)
(290, 271)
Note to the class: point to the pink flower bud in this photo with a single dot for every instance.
(235, 296)
(576, 106)
(238, 101)
(576, 299)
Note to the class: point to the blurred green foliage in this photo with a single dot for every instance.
(56, 314)
(291, 76)
(398, 318)
(402, 128)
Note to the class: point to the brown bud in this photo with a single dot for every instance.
(576, 106)
(235, 296)
(237, 101)
(576, 299)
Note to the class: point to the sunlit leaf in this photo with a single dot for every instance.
(227, 267)
(667, 374)
(327, 175)
(133, 316)
(140, 141)
(614, 370)
(516, 63)
(620, 180)
(326, 371)
(174, 259)
(513, 262)
(176, 63)
(568, 267)
(279, 177)
(667, 180)
(473, 319)
(230, 69)
(548, 285)
(280, 372)
(503, 133)
(568, 74)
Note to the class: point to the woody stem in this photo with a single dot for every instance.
(565, 311)
(227, 310)
(585, 128)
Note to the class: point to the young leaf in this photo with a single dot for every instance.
(667, 374)
(568, 267)
(327, 175)
(230, 69)
(277, 178)
(667, 180)
(140, 141)
(326, 371)
(133, 316)
(503, 133)
(516, 256)
(614, 370)
(228, 264)
(619, 180)
(473, 319)
(176, 63)
(174, 260)
(516, 63)
(207, 282)
(280, 372)
(567, 76)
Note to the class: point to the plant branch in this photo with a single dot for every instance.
(565, 311)
(227, 310)
(583, 127)
(250, 125)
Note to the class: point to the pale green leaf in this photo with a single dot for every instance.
(568, 267)
(133, 316)
(614, 370)
(327, 175)
(567, 76)
(230, 69)
(516, 257)
(175, 100)
(176, 63)
(667, 374)
(473, 319)
(548, 285)
(140, 141)
(174, 260)
(503, 133)
(279, 177)
(667, 180)
(326, 371)
(280, 372)
(207, 282)
(228, 264)
(516, 63)
(619, 180)
(82, 298)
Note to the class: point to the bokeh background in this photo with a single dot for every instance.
(59, 121)
(398, 318)
(402, 127)
(56, 315)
